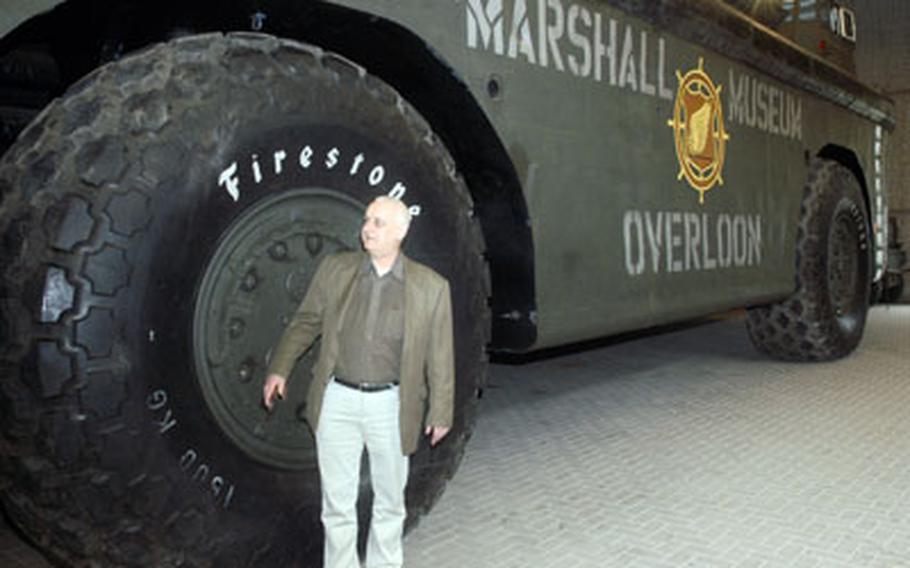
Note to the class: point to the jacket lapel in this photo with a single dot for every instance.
(346, 296)
(411, 309)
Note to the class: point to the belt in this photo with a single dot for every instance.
(366, 387)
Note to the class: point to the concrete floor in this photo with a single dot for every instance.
(681, 449)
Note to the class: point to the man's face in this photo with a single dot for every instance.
(382, 231)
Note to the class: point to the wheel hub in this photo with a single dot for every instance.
(249, 292)
(843, 267)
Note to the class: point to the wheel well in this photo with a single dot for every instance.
(848, 159)
(79, 35)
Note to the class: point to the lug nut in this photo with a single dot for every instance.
(245, 372)
(250, 281)
(236, 327)
(259, 430)
(278, 251)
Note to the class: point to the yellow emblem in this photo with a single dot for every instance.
(698, 127)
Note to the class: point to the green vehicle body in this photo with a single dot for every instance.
(598, 166)
(580, 95)
(597, 161)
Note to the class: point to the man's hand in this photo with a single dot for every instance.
(436, 433)
(275, 385)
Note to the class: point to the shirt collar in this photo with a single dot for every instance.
(366, 268)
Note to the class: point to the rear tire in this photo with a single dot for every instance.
(824, 318)
(160, 221)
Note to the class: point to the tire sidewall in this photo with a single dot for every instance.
(849, 205)
(241, 109)
(840, 198)
(183, 238)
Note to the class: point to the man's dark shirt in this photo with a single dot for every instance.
(373, 329)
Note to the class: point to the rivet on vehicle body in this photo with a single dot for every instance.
(494, 87)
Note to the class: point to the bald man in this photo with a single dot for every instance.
(385, 362)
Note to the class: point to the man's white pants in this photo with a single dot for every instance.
(349, 420)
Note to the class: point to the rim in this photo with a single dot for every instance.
(844, 270)
(251, 286)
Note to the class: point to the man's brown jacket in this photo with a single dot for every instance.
(427, 358)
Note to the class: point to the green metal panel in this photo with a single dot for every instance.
(621, 242)
(17, 11)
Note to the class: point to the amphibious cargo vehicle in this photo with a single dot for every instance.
(173, 171)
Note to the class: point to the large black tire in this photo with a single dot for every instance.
(159, 222)
(825, 316)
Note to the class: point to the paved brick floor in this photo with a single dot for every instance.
(686, 449)
(683, 449)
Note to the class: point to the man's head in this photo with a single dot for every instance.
(385, 225)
